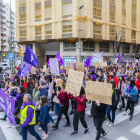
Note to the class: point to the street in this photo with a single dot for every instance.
(122, 130)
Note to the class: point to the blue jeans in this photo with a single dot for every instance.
(52, 120)
(5, 116)
(32, 131)
(108, 114)
(56, 108)
(44, 127)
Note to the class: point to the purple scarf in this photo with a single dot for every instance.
(6, 89)
(13, 80)
(125, 76)
(17, 96)
(129, 87)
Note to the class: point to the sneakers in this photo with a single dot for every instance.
(10, 125)
(90, 115)
(103, 136)
(125, 112)
(86, 131)
(39, 129)
(55, 117)
(130, 119)
(51, 112)
(45, 137)
(71, 113)
(108, 122)
(111, 124)
(73, 133)
(3, 119)
(52, 124)
(55, 126)
(63, 116)
(43, 134)
(15, 126)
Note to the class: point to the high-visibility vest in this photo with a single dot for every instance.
(23, 117)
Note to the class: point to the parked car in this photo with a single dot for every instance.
(5, 66)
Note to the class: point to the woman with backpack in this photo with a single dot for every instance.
(79, 112)
(131, 93)
(115, 100)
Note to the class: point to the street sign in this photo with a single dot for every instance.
(11, 56)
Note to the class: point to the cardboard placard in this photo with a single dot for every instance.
(74, 82)
(44, 68)
(56, 100)
(68, 67)
(96, 64)
(33, 69)
(47, 72)
(99, 90)
(80, 66)
(103, 64)
(54, 66)
(100, 64)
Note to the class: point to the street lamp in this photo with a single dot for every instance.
(79, 33)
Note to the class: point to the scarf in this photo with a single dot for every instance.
(17, 96)
(41, 87)
(129, 87)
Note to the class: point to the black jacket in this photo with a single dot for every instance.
(18, 104)
(98, 111)
(30, 90)
(115, 98)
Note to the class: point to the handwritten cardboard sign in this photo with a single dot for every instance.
(74, 82)
(100, 91)
(68, 67)
(54, 66)
(80, 66)
(33, 69)
(100, 64)
(44, 68)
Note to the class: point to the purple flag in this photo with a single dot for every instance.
(48, 63)
(30, 57)
(24, 70)
(88, 62)
(19, 74)
(62, 71)
(8, 105)
(133, 63)
(119, 57)
(60, 60)
(74, 65)
(28, 66)
(139, 62)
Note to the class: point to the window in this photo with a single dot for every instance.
(134, 7)
(48, 29)
(112, 30)
(67, 26)
(126, 49)
(38, 13)
(88, 46)
(133, 34)
(123, 18)
(123, 3)
(38, 30)
(22, 31)
(31, 46)
(22, 16)
(112, 15)
(112, 2)
(22, 2)
(133, 21)
(97, 29)
(104, 47)
(136, 49)
(123, 32)
(69, 46)
(48, 12)
(67, 8)
(97, 11)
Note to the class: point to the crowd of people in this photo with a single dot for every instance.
(36, 100)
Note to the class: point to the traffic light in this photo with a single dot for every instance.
(20, 52)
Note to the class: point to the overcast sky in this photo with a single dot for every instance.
(12, 3)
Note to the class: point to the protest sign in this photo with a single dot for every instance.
(97, 57)
(54, 66)
(50, 86)
(68, 67)
(74, 82)
(103, 64)
(80, 66)
(8, 105)
(96, 64)
(33, 69)
(100, 91)
(100, 64)
(44, 68)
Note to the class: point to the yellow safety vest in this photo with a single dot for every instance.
(23, 113)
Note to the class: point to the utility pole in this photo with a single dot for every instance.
(79, 32)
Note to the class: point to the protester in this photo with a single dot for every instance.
(44, 87)
(27, 118)
(79, 112)
(131, 93)
(100, 76)
(24, 82)
(29, 88)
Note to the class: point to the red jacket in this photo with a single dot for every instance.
(80, 101)
(25, 86)
(137, 83)
(115, 80)
(63, 97)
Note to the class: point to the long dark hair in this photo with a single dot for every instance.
(22, 89)
(113, 84)
(46, 78)
(82, 92)
(132, 83)
(29, 83)
(44, 100)
(123, 80)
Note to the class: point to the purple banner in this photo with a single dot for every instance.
(8, 105)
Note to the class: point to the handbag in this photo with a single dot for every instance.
(56, 100)
(130, 98)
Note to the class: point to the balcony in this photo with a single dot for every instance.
(1, 25)
(4, 21)
(4, 27)
(4, 33)
(4, 15)
(4, 10)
